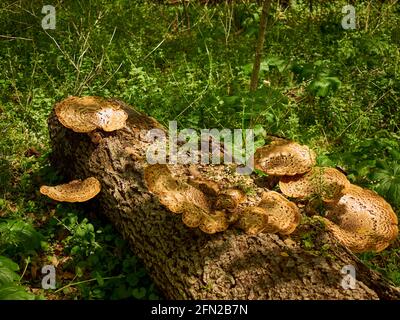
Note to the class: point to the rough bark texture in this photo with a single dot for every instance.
(188, 264)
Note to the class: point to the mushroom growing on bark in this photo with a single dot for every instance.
(253, 220)
(362, 220)
(273, 214)
(87, 114)
(183, 198)
(229, 199)
(74, 191)
(284, 158)
(328, 183)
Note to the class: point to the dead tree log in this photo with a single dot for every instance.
(186, 263)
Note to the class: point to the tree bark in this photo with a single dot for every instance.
(188, 264)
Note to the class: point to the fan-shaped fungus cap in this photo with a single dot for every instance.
(253, 220)
(176, 195)
(181, 197)
(273, 214)
(192, 218)
(214, 222)
(362, 220)
(229, 199)
(89, 113)
(74, 191)
(283, 215)
(329, 183)
(284, 158)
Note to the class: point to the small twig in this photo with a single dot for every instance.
(15, 38)
(85, 281)
(28, 261)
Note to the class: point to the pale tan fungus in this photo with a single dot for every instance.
(229, 199)
(362, 220)
(284, 158)
(181, 197)
(283, 215)
(328, 183)
(85, 114)
(74, 191)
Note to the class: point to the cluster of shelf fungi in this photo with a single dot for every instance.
(358, 218)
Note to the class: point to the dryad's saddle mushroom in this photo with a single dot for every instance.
(273, 214)
(284, 158)
(74, 191)
(328, 183)
(87, 114)
(362, 220)
(181, 197)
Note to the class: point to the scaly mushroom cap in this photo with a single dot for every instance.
(283, 215)
(181, 197)
(253, 220)
(176, 195)
(229, 199)
(362, 220)
(273, 214)
(355, 242)
(214, 222)
(329, 183)
(89, 113)
(208, 187)
(74, 191)
(284, 158)
(192, 218)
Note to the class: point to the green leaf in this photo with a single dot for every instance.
(99, 278)
(139, 293)
(19, 234)
(14, 292)
(7, 271)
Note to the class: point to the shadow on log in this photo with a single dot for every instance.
(186, 263)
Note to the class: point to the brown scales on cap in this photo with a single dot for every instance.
(181, 197)
(329, 183)
(176, 195)
(229, 199)
(283, 215)
(284, 158)
(214, 222)
(74, 191)
(253, 220)
(362, 220)
(273, 214)
(89, 113)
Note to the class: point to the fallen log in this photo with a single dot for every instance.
(186, 263)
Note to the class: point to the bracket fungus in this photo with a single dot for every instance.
(362, 220)
(273, 214)
(183, 198)
(253, 220)
(87, 114)
(284, 158)
(328, 183)
(214, 222)
(174, 194)
(229, 199)
(74, 191)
